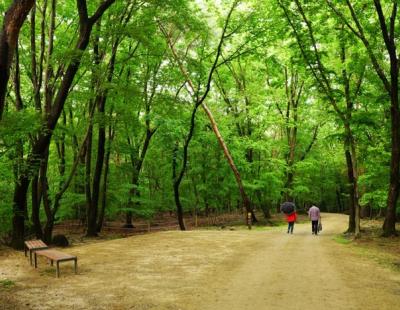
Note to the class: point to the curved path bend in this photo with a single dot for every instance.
(303, 271)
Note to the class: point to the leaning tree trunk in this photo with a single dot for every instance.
(200, 101)
(228, 156)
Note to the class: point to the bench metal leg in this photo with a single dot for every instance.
(35, 260)
(30, 257)
(58, 269)
(76, 265)
(51, 262)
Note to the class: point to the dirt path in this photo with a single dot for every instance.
(303, 271)
(208, 270)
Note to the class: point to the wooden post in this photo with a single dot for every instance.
(58, 269)
(249, 220)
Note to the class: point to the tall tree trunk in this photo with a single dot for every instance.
(93, 210)
(389, 225)
(104, 191)
(392, 88)
(177, 178)
(44, 189)
(92, 214)
(13, 21)
(137, 167)
(41, 144)
(36, 199)
(19, 210)
(177, 181)
(350, 176)
(105, 177)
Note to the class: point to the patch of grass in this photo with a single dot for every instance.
(341, 239)
(6, 283)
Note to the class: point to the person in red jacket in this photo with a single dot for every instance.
(291, 218)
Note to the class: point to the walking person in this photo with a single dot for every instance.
(315, 215)
(291, 218)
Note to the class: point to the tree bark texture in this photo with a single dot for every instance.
(12, 23)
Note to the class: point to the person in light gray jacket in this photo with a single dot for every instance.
(315, 215)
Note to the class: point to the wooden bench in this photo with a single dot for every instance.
(56, 256)
(32, 246)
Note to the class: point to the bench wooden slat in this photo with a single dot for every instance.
(34, 245)
(58, 257)
(55, 255)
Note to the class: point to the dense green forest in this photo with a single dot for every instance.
(116, 109)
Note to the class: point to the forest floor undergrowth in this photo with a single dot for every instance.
(215, 269)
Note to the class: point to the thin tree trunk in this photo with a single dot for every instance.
(104, 192)
(105, 179)
(177, 181)
(137, 167)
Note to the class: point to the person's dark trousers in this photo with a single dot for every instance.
(290, 227)
(314, 225)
